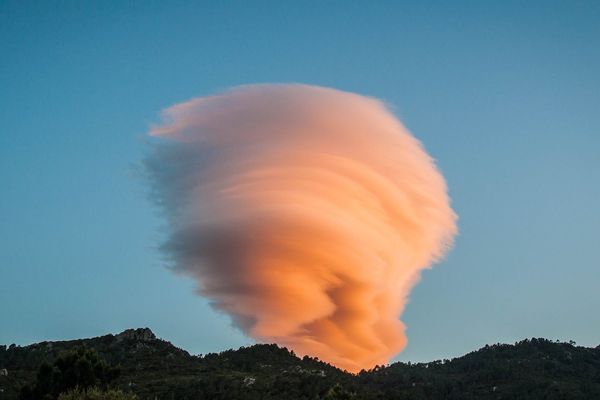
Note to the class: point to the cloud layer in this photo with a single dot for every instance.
(304, 213)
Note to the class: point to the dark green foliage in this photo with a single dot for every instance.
(78, 368)
(337, 392)
(95, 393)
(530, 369)
(152, 368)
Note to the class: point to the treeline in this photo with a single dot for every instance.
(135, 364)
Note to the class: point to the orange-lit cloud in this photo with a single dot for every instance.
(304, 213)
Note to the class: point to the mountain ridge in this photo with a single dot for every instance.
(154, 368)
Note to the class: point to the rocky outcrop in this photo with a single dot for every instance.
(139, 335)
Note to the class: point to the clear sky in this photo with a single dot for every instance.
(505, 95)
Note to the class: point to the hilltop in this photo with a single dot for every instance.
(153, 368)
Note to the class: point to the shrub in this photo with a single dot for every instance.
(95, 393)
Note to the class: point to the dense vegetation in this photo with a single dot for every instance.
(73, 371)
(136, 363)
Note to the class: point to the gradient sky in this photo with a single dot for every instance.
(505, 95)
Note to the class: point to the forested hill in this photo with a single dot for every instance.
(152, 368)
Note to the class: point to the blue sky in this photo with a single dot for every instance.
(505, 95)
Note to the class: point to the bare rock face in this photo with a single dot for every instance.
(140, 335)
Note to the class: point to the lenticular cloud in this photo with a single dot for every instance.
(304, 213)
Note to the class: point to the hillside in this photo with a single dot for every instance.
(154, 368)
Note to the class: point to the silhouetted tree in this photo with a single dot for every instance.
(81, 368)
